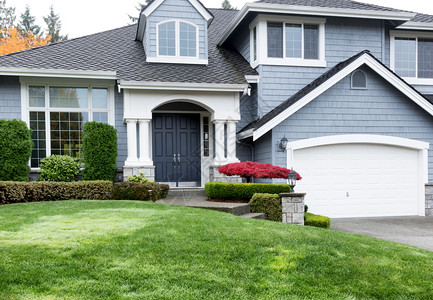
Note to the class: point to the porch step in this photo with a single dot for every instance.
(260, 216)
(186, 193)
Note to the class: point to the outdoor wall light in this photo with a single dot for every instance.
(292, 177)
(283, 144)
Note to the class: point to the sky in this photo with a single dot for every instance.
(83, 17)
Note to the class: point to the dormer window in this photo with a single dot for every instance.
(177, 40)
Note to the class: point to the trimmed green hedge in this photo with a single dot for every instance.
(59, 168)
(100, 151)
(139, 191)
(242, 191)
(15, 150)
(316, 221)
(16, 192)
(269, 204)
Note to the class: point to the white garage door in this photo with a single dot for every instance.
(359, 180)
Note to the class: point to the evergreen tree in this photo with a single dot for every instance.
(226, 5)
(53, 26)
(7, 15)
(139, 8)
(27, 23)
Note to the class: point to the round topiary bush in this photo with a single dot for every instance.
(60, 168)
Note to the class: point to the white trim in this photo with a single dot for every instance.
(197, 5)
(416, 26)
(260, 23)
(180, 86)
(58, 73)
(177, 58)
(363, 59)
(245, 134)
(312, 11)
(421, 147)
(252, 78)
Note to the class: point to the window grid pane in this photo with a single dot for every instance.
(425, 58)
(405, 57)
(188, 40)
(167, 39)
(37, 96)
(294, 40)
(66, 97)
(101, 117)
(67, 132)
(275, 40)
(37, 125)
(311, 41)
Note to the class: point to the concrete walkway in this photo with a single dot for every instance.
(414, 231)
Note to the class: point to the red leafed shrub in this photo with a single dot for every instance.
(256, 170)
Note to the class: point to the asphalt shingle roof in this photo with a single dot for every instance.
(117, 50)
(422, 18)
(347, 4)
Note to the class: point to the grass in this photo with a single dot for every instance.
(142, 250)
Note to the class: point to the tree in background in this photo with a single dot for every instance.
(27, 23)
(53, 26)
(7, 15)
(13, 40)
(226, 5)
(140, 7)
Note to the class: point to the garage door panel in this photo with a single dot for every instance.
(349, 180)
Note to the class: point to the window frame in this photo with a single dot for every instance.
(260, 23)
(177, 58)
(26, 83)
(410, 35)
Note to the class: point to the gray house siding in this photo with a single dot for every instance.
(343, 38)
(10, 98)
(380, 110)
(175, 10)
(122, 144)
(248, 108)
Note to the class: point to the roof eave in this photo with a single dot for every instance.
(416, 26)
(181, 86)
(310, 10)
(58, 73)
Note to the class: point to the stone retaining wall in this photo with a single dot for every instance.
(429, 199)
(293, 208)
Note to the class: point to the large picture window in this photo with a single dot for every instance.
(412, 55)
(57, 114)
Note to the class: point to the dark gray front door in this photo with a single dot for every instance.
(176, 149)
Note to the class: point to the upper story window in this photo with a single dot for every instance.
(412, 56)
(288, 41)
(177, 39)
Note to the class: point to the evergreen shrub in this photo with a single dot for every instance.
(17, 192)
(15, 150)
(59, 168)
(269, 204)
(100, 151)
(316, 220)
(242, 191)
(138, 191)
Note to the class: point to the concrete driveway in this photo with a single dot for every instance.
(414, 231)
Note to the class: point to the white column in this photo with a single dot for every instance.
(231, 141)
(131, 128)
(145, 142)
(219, 142)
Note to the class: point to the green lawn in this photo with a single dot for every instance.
(142, 250)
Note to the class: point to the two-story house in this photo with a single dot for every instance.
(348, 85)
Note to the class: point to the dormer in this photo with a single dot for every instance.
(175, 31)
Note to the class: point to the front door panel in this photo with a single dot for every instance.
(176, 148)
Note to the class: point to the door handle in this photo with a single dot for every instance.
(174, 160)
(178, 160)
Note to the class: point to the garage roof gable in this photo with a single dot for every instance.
(322, 84)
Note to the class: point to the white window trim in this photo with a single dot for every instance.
(409, 34)
(262, 37)
(56, 82)
(358, 87)
(177, 58)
